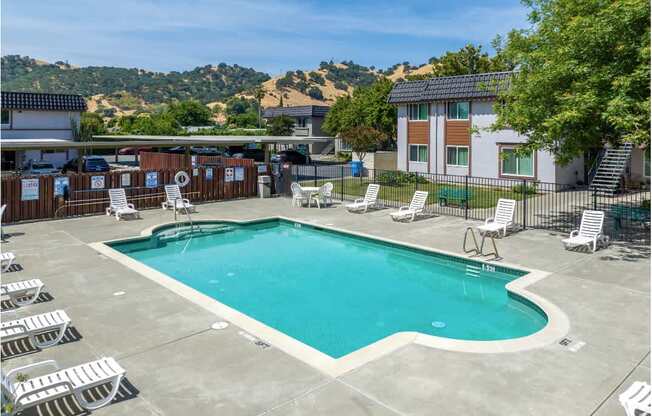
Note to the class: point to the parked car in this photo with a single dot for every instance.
(133, 150)
(291, 156)
(89, 164)
(198, 150)
(256, 154)
(39, 167)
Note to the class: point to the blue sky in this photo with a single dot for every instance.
(269, 35)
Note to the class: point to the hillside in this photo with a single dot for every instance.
(113, 91)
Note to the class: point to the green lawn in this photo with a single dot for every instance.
(482, 197)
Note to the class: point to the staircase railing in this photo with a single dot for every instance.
(593, 169)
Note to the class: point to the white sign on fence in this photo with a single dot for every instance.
(125, 180)
(239, 173)
(60, 185)
(228, 175)
(97, 182)
(29, 189)
(262, 168)
(193, 161)
(209, 174)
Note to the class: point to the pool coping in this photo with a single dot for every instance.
(557, 327)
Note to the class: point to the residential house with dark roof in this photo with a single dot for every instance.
(443, 128)
(307, 122)
(39, 116)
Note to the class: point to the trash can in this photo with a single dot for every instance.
(265, 186)
(356, 168)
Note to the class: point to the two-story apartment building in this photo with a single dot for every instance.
(307, 122)
(30, 116)
(443, 128)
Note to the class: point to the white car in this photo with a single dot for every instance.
(40, 167)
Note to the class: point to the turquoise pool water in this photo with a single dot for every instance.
(337, 292)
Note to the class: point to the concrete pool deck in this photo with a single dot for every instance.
(179, 365)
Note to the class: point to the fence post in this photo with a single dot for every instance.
(342, 183)
(466, 195)
(595, 199)
(314, 175)
(524, 196)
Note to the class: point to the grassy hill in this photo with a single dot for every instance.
(115, 91)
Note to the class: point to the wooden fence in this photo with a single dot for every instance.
(161, 161)
(83, 197)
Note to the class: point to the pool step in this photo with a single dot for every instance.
(473, 271)
(184, 232)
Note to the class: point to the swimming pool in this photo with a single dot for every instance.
(337, 292)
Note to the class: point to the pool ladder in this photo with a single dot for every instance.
(187, 212)
(478, 250)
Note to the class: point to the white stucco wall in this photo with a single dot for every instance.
(401, 138)
(437, 148)
(40, 125)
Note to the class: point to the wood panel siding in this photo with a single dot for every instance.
(418, 132)
(458, 132)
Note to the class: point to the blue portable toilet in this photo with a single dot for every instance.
(356, 168)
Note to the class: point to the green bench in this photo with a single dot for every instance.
(459, 196)
(628, 213)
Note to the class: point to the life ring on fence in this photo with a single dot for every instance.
(182, 178)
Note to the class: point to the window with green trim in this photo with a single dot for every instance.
(418, 153)
(418, 112)
(516, 165)
(458, 110)
(457, 155)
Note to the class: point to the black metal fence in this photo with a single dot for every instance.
(550, 206)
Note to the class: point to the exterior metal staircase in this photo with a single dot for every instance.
(612, 167)
(329, 148)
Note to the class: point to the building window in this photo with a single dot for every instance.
(301, 122)
(646, 162)
(418, 112)
(5, 118)
(457, 155)
(458, 110)
(418, 153)
(512, 164)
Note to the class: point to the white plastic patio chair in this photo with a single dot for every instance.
(34, 325)
(299, 196)
(175, 200)
(24, 292)
(370, 199)
(590, 232)
(119, 205)
(6, 260)
(324, 195)
(416, 207)
(502, 220)
(637, 399)
(74, 380)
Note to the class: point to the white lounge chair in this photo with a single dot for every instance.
(637, 399)
(502, 220)
(299, 196)
(590, 232)
(74, 380)
(370, 199)
(34, 325)
(415, 208)
(24, 292)
(324, 195)
(175, 200)
(119, 205)
(6, 260)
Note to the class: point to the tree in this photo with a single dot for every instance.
(190, 113)
(90, 124)
(368, 107)
(280, 126)
(362, 139)
(584, 76)
(259, 94)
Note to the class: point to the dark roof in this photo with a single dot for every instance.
(444, 88)
(298, 111)
(41, 101)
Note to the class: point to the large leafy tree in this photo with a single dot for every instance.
(366, 107)
(190, 113)
(584, 76)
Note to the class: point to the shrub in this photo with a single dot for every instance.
(315, 93)
(344, 156)
(527, 190)
(395, 178)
